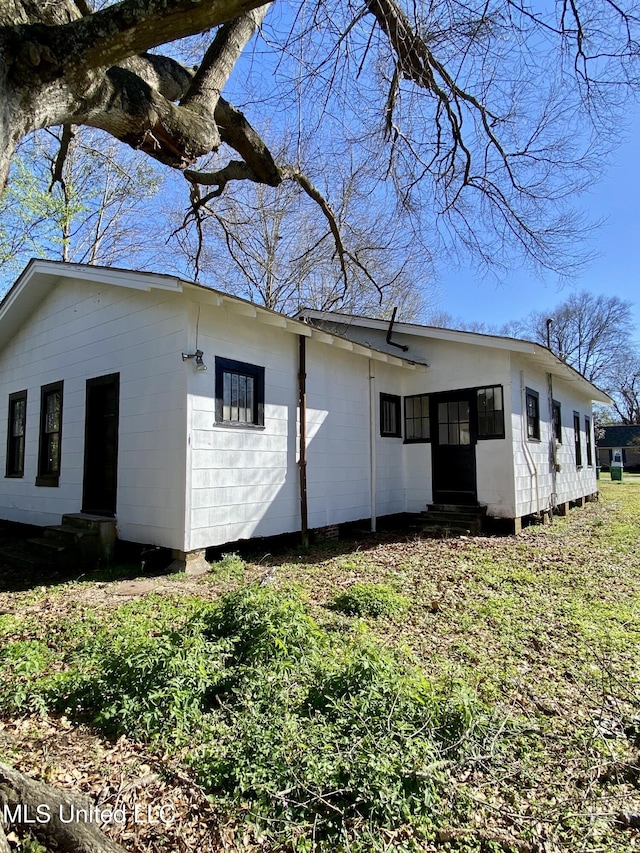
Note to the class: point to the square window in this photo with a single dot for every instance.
(390, 416)
(50, 435)
(16, 433)
(239, 393)
(533, 414)
(416, 418)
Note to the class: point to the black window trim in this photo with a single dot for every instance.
(534, 395)
(416, 440)
(490, 436)
(395, 401)
(556, 406)
(44, 478)
(18, 473)
(576, 439)
(242, 368)
(588, 442)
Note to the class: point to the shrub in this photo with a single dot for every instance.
(369, 599)
(262, 624)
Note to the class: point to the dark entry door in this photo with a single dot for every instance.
(453, 447)
(101, 445)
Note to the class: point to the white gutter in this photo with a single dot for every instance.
(372, 442)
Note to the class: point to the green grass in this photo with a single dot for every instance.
(490, 686)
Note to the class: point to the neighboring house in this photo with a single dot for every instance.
(195, 418)
(619, 437)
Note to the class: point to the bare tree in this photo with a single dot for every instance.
(80, 205)
(592, 333)
(476, 113)
(624, 388)
(271, 247)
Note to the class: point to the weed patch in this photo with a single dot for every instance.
(369, 599)
(307, 728)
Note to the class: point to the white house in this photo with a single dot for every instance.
(194, 418)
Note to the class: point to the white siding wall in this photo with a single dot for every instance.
(455, 366)
(534, 471)
(83, 330)
(391, 493)
(243, 481)
(338, 431)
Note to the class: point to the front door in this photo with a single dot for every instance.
(101, 445)
(453, 447)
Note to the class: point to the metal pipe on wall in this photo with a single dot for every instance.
(302, 455)
(372, 443)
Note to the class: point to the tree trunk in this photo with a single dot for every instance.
(51, 811)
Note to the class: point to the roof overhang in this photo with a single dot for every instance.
(40, 277)
(539, 354)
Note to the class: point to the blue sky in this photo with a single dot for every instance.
(614, 272)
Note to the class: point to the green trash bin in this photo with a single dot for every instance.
(616, 465)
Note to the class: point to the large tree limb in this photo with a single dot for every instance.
(220, 59)
(109, 36)
(77, 836)
(129, 109)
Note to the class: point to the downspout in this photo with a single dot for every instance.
(527, 453)
(553, 500)
(390, 332)
(372, 443)
(302, 457)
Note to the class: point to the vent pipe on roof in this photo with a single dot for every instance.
(390, 332)
(548, 324)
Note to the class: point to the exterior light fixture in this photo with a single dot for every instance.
(200, 365)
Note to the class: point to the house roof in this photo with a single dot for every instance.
(620, 435)
(40, 277)
(536, 352)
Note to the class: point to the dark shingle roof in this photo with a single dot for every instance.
(619, 436)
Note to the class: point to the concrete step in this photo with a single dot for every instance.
(67, 534)
(450, 519)
(458, 509)
(85, 521)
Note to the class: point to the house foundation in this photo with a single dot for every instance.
(192, 563)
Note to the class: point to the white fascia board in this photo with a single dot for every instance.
(146, 281)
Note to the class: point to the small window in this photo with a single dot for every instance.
(239, 393)
(454, 422)
(390, 416)
(587, 433)
(416, 418)
(533, 414)
(50, 435)
(576, 436)
(557, 421)
(490, 412)
(15, 434)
